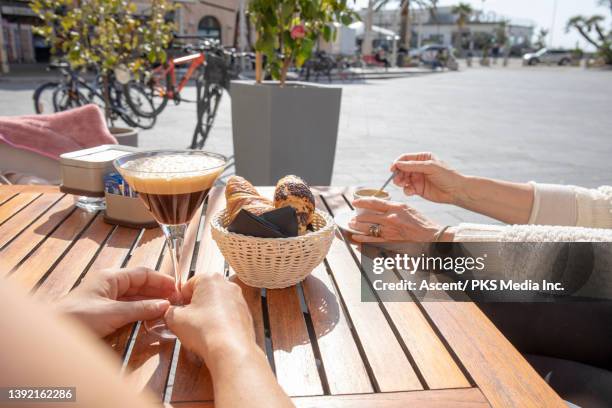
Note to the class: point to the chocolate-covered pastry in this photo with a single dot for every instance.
(293, 191)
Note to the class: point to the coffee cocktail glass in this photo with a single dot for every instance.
(173, 185)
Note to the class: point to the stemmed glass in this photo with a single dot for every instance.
(172, 184)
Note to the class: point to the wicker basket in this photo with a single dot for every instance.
(274, 262)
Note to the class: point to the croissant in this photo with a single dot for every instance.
(293, 191)
(240, 194)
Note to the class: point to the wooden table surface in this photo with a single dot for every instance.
(327, 348)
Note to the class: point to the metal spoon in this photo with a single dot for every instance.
(384, 185)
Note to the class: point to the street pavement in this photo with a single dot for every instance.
(548, 124)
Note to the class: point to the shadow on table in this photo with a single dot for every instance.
(322, 305)
(149, 361)
(51, 225)
(314, 301)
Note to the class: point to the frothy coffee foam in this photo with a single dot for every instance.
(172, 173)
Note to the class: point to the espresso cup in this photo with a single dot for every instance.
(369, 193)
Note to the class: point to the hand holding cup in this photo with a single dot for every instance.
(395, 221)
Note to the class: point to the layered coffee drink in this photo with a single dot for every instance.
(174, 185)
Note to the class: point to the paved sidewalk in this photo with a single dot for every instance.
(544, 123)
(27, 73)
(39, 72)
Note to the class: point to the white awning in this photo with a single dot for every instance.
(359, 28)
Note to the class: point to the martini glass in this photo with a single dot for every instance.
(173, 185)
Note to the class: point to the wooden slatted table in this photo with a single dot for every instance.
(327, 348)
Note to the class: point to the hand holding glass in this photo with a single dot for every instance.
(173, 185)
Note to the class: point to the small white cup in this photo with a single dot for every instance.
(369, 193)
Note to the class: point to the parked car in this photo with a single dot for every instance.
(428, 52)
(548, 56)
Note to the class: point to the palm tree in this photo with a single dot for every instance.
(501, 37)
(580, 24)
(594, 23)
(463, 11)
(405, 30)
(366, 43)
(373, 5)
(585, 26)
(405, 18)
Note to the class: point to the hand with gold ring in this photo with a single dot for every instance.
(375, 230)
(385, 221)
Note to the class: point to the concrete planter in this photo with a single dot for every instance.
(125, 136)
(289, 130)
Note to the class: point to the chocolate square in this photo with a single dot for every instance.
(249, 224)
(279, 223)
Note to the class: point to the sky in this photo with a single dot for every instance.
(541, 13)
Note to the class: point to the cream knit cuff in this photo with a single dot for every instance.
(555, 208)
(571, 206)
(553, 205)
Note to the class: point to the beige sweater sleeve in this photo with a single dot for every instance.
(559, 213)
(572, 206)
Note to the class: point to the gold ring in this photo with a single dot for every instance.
(375, 230)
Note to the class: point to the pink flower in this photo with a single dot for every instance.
(298, 31)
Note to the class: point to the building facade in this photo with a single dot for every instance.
(217, 19)
(440, 27)
(17, 43)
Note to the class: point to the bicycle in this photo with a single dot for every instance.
(213, 67)
(46, 95)
(320, 64)
(73, 91)
(43, 98)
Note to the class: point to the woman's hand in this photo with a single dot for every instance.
(217, 325)
(215, 319)
(113, 298)
(398, 222)
(425, 175)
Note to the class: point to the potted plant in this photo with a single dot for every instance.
(109, 36)
(282, 127)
